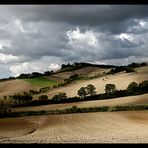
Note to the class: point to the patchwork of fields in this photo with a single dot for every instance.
(99, 127)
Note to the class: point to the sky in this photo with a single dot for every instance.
(38, 38)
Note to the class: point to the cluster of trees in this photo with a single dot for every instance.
(21, 98)
(5, 79)
(76, 65)
(135, 88)
(111, 91)
(85, 93)
(88, 90)
(34, 75)
(128, 68)
(134, 65)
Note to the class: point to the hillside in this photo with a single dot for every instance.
(11, 87)
(121, 80)
(107, 127)
(14, 86)
(87, 71)
(99, 127)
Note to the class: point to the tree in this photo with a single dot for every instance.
(110, 88)
(91, 89)
(43, 98)
(26, 97)
(35, 74)
(47, 73)
(143, 86)
(129, 69)
(132, 87)
(82, 92)
(5, 106)
(143, 64)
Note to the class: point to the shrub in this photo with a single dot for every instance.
(59, 97)
(43, 98)
(33, 92)
(74, 76)
(54, 86)
(73, 109)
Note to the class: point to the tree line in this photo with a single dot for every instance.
(75, 66)
(85, 94)
(128, 68)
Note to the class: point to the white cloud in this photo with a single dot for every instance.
(41, 65)
(85, 46)
(76, 38)
(54, 66)
(125, 36)
(4, 58)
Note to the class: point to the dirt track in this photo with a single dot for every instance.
(107, 127)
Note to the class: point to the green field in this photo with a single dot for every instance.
(41, 81)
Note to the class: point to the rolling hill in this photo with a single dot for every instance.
(99, 127)
(11, 87)
(14, 86)
(107, 127)
(121, 80)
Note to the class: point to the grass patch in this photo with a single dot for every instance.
(41, 81)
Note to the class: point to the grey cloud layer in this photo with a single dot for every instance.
(31, 33)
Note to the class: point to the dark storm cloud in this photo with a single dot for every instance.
(107, 17)
(48, 34)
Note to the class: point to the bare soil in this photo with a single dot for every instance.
(107, 127)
